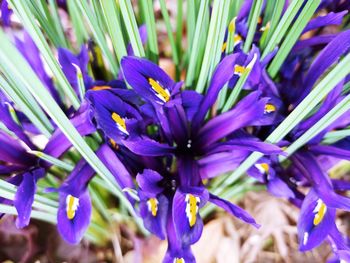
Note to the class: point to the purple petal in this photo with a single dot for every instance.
(24, 197)
(314, 223)
(247, 111)
(147, 79)
(147, 147)
(233, 209)
(223, 73)
(326, 20)
(154, 213)
(148, 181)
(187, 221)
(72, 230)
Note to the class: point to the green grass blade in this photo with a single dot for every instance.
(147, 7)
(20, 8)
(195, 49)
(131, 26)
(334, 136)
(66, 166)
(110, 11)
(170, 32)
(275, 20)
(293, 36)
(98, 34)
(79, 28)
(282, 26)
(253, 24)
(341, 108)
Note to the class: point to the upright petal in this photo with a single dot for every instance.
(147, 79)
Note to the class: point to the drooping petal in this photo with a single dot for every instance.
(326, 20)
(147, 79)
(187, 221)
(115, 166)
(233, 209)
(191, 101)
(73, 216)
(315, 221)
(153, 210)
(24, 196)
(6, 13)
(59, 144)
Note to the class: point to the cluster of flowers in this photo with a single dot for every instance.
(159, 141)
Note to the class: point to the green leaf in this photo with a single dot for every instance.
(23, 12)
(293, 36)
(255, 13)
(131, 26)
(283, 26)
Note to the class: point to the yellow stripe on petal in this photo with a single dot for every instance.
(179, 260)
(239, 70)
(263, 168)
(72, 204)
(237, 39)
(152, 205)
(320, 210)
(120, 122)
(223, 48)
(269, 108)
(192, 203)
(96, 88)
(161, 93)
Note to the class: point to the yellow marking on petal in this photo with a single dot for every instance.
(120, 122)
(237, 38)
(223, 48)
(259, 20)
(179, 260)
(72, 204)
(232, 25)
(192, 203)
(320, 210)
(114, 144)
(101, 88)
(161, 93)
(263, 168)
(269, 108)
(152, 204)
(239, 70)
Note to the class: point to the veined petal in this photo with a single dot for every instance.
(73, 217)
(147, 79)
(153, 210)
(187, 221)
(24, 197)
(315, 222)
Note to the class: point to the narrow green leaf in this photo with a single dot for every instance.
(110, 11)
(200, 32)
(131, 26)
(98, 34)
(20, 8)
(66, 166)
(293, 36)
(255, 13)
(341, 108)
(79, 28)
(282, 26)
(147, 7)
